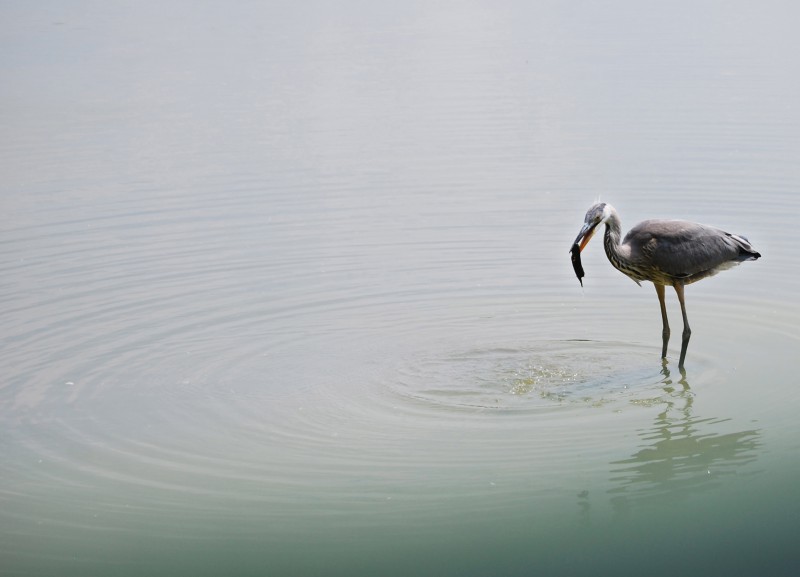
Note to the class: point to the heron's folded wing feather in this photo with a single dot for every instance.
(682, 249)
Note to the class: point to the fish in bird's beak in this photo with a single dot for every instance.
(581, 241)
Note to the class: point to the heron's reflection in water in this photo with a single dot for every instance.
(681, 454)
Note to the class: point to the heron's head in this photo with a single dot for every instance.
(595, 216)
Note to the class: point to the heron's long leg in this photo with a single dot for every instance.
(687, 332)
(664, 321)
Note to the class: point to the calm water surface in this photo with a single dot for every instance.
(286, 289)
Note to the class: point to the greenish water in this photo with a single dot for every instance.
(286, 290)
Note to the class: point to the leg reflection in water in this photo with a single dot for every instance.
(682, 453)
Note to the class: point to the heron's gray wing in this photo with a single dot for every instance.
(684, 250)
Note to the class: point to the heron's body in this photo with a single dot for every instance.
(667, 253)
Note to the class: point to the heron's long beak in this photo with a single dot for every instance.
(585, 235)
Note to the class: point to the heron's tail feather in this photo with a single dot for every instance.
(746, 250)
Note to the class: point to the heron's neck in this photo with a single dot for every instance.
(611, 242)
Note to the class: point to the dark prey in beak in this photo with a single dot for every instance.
(583, 238)
(575, 253)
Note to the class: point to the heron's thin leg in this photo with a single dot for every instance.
(664, 321)
(687, 332)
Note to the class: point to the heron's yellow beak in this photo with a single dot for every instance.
(585, 235)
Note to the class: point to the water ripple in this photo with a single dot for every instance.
(539, 376)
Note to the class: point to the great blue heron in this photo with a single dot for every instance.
(665, 252)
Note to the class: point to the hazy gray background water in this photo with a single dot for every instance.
(285, 289)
